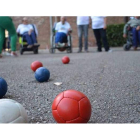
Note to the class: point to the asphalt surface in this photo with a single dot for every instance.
(111, 81)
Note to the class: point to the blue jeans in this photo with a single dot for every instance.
(83, 29)
(31, 39)
(61, 37)
(136, 37)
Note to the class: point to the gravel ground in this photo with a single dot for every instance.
(110, 81)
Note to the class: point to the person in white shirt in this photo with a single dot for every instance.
(62, 29)
(28, 33)
(83, 24)
(99, 28)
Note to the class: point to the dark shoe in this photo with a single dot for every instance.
(86, 51)
(99, 50)
(0, 56)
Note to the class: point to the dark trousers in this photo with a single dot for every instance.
(83, 29)
(31, 39)
(101, 34)
(136, 37)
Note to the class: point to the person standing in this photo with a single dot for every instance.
(82, 25)
(99, 26)
(6, 23)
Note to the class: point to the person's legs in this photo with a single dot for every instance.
(9, 26)
(60, 39)
(86, 37)
(27, 37)
(80, 32)
(104, 39)
(139, 36)
(135, 36)
(33, 37)
(2, 38)
(98, 39)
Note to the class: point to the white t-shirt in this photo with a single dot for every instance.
(22, 28)
(97, 22)
(82, 20)
(62, 27)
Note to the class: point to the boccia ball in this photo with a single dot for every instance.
(65, 60)
(3, 87)
(12, 112)
(42, 74)
(71, 106)
(35, 65)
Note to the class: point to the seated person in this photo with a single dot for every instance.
(62, 29)
(28, 33)
(135, 27)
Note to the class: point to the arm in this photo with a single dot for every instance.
(69, 29)
(125, 29)
(30, 30)
(105, 21)
(90, 22)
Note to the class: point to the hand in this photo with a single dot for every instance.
(89, 26)
(124, 35)
(138, 28)
(105, 27)
(29, 32)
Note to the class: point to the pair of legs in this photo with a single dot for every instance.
(61, 38)
(83, 29)
(6, 23)
(31, 39)
(101, 34)
(136, 37)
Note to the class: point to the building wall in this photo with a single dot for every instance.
(43, 25)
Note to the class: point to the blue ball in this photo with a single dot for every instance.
(3, 87)
(42, 74)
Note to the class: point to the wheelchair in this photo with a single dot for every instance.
(129, 41)
(23, 46)
(67, 48)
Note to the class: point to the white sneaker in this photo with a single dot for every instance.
(61, 44)
(110, 51)
(7, 53)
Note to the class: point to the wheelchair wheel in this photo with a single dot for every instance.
(52, 50)
(69, 49)
(21, 50)
(36, 51)
(126, 47)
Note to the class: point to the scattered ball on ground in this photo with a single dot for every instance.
(42, 74)
(65, 60)
(3, 87)
(12, 112)
(35, 65)
(71, 106)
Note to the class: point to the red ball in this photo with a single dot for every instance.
(35, 65)
(65, 60)
(71, 106)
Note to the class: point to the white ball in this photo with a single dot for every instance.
(12, 112)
